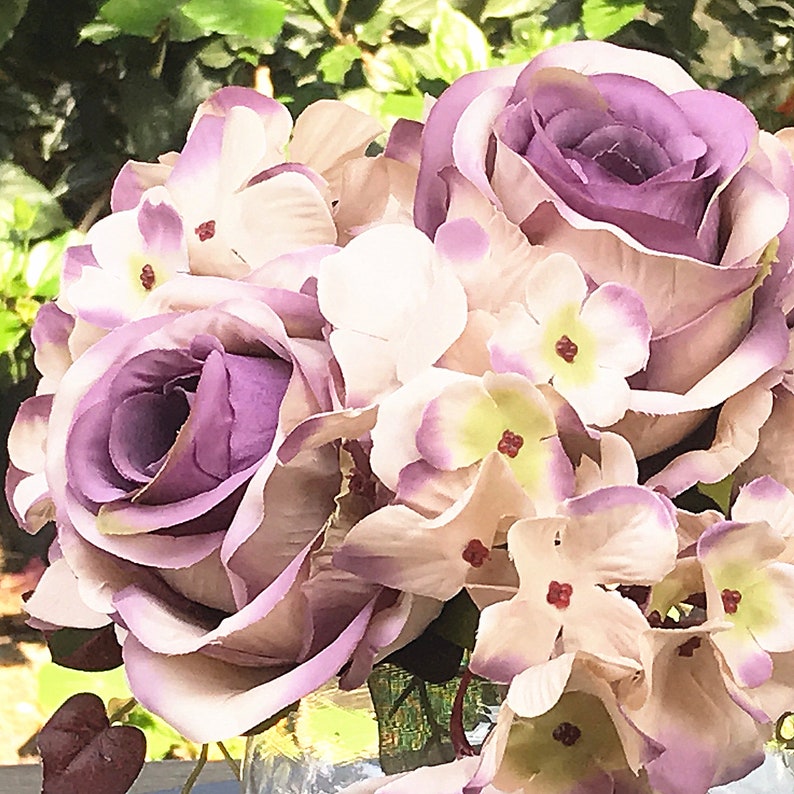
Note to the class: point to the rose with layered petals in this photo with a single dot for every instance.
(617, 158)
(177, 520)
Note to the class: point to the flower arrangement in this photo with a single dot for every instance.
(296, 399)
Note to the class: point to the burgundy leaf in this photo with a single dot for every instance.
(81, 751)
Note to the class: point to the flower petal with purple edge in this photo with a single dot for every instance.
(437, 140)
(57, 600)
(473, 417)
(400, 548)
(206, 699)
(765, 346)
(158, 625)
(740, 420)
(621, 534)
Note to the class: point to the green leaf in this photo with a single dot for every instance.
(416, 14)
(11, 12)
(390, 70)
(24, 215)
(505, 9)
(12, 329)
(531, 37)
(404, 106)
(602, 18)
(216, 55)
(458, 45)
(161, 738)
(257, 19)
(138, 17)
(16, 185)
(458, 621)
(99, 32)
(335, 64)
(719, 492)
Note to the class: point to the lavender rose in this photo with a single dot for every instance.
(619, 159)
(176, 518)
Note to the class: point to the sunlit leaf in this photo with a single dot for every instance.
(256, 19)
(458, 45)
(16, 184)
(390, 70)
(602, 18)
(11, 330)
(57, 684)
(138, 17)
(512, 8)
(407, 106)
(719, 492)
(335, 63)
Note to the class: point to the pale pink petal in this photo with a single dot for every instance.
(605, 253)
(749, 663)
(328, 134)
(736, 438)
(771, 457)
(554, 282)
(537, 689)
(275, 217)
(513, 636)
(604, 623)
(207, 700)
(469, 150)
(511, 258)
(622, 534)
(399, 417)
(57, 600)
(765, 345)
(777, 635)
(399, 548)
(469, 352)
(618, 464)
(616, 317)
(601, 400)
(598, 57)
(27, 438)
(765, 499)
(368, 366)
(274, 117)
(517, 345)
(377, 281)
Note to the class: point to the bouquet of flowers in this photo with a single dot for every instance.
(296, 399)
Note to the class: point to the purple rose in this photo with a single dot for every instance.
(619, 159)
(177, 519)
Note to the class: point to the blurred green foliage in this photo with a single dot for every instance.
(88, 84)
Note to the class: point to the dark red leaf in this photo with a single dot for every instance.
(92, 650)
(82, 752)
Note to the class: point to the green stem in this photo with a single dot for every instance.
(193, 777)
(233, 764)
(125, 708)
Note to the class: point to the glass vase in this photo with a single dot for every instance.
(399, 722)
(336, 738)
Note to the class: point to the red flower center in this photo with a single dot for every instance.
(566, 349)
(510, 443)
(730, 600)
(559, 594)
(147, 277)
(566, 733)
(205, 231)
(476, 553)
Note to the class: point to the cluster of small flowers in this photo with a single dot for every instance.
(296, 398)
